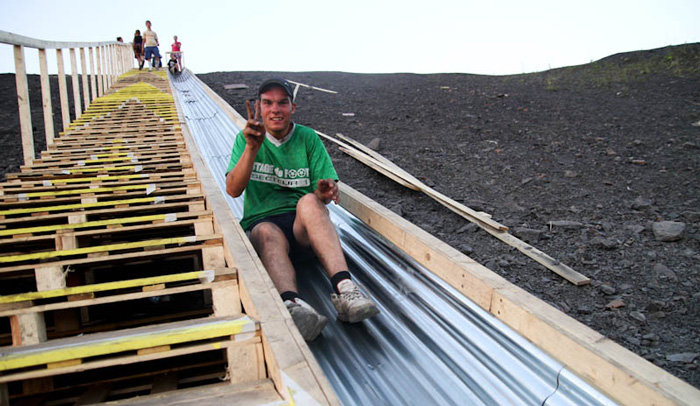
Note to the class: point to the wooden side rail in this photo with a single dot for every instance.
(117, 54)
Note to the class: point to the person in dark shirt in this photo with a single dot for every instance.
(137, 45)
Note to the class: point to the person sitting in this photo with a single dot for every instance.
(173, 65)
(288, 178)
(176, 49)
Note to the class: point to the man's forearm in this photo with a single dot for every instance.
(237, 180)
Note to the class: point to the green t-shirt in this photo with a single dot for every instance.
(282, 174)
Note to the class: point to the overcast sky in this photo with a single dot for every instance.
(367, 36)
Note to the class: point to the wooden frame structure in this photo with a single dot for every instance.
(114, 216)
(116, 59)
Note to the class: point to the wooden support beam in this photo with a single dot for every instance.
(63, 90)
(86, 88)
(93, 81)
(76, 84)
(25, 117)
(100, 76)
(46, 98)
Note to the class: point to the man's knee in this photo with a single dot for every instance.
(268, 235)
(309, 205)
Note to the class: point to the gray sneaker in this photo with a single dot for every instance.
(307, 320)
(352, 305)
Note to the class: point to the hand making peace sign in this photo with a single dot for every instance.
(254, 130)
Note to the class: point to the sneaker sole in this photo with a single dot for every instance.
(317, 323)
(360, 316)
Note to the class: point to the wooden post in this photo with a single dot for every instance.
(46, 98)
(98, 61)
(105, 65)
(76, 84)
(25, 116)
(108, 67)
(62, 90)
(93, 81)
(86, 88)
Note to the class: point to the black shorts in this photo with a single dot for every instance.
(285, 221)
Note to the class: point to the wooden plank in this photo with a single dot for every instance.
(62, 90)
(46, 98)
(93, 81)
(25, 117)
(492, 227)
(27, 329)
(121, 341)
(76, 84)
(86, 88)
(124, 297)
(623, 375)
(108, 248)
(260, 392)
(100, 78)
(115, 258)
(205, 276)
(12, 38)
(125, 360)
(245, 364)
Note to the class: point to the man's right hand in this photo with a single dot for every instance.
(254, 130)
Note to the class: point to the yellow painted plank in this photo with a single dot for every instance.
(101, 223)
(102, 287)
(99, 248)
(28, 210)
(147, 187)
(41, 356)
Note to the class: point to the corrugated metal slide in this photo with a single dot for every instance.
(430, 345)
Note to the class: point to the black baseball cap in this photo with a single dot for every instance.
(266, 85)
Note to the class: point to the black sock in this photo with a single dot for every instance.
(289, 295)
(339, 277)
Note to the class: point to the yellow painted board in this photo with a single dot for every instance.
(79, 206)
(101, 287)
(99, 248)
(56, 227)
(128, 342)
(89, 190)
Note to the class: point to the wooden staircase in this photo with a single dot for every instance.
(113, 278)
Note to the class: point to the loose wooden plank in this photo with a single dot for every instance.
(486, 223)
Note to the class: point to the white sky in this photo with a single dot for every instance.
(364, 36)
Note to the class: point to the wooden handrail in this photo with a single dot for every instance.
(111, 61)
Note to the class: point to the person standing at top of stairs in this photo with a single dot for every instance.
(150, 40)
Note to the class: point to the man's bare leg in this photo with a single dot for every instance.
(273, 248)
(313, 227)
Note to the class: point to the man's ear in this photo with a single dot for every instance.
(294, 107)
